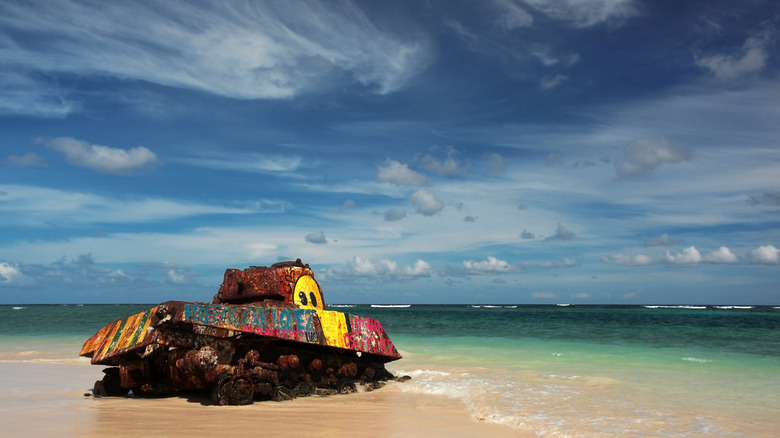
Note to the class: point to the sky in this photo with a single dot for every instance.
(412, 152)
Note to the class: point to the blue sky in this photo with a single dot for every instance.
(503, 151)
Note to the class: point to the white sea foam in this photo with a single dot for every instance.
(696, 359)
(341, 305)
(733, 307)
(561, 405)
(391, 306)
(676, 307)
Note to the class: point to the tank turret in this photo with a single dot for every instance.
(266, 334)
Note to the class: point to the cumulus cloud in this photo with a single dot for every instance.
(564, 263)
(398, 173)
(426, 202)
(317, 238)
(491, 265)
(721, 255)
(82, 272)
(629, 260)
(662, 240)
(527, 235)
(9, 274)
(561, 233)
(727, 67)
(393, 215)
(347, 204)
(692, 256)
(765, 255)
(239, 49)
(101, 158)
(26, 160)
(385, 269)
(586, 13)
(169, 273)
(447, 166)
(641, 157)
(688, 256)
(495, 163)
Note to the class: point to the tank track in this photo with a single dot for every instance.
(239, 371)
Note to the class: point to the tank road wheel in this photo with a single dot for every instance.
(347, 387)
(242, 391)
(233, 390)
(282, 393)
(219, 391)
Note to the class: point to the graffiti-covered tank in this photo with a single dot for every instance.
(266, 334)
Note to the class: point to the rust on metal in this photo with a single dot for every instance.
(266, 334)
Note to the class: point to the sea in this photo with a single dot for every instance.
(552, 370)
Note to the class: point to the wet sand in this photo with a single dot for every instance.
(52, 399)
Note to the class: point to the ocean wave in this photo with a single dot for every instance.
(18, 307)
(556, 405)
(696, 359)
(341, 305)
(676, 307)
(733, 307)
(391, 306)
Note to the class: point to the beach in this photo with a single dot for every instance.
(501, 371)
(53, 398)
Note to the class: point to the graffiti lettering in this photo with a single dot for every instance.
(367, 335)
(296, 324)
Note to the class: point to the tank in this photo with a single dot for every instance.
(265, 335)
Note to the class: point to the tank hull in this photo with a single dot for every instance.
(276, 348)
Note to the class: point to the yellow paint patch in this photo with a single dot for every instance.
(334, 327)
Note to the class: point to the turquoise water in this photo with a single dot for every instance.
(553, 370)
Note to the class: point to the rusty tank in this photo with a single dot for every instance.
(265, 335)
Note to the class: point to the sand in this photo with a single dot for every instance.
(53, 399)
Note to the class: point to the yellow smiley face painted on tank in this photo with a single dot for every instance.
(307, 293)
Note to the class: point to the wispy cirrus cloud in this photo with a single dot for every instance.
(586, 13)
(33, 206)
(262, 163)
(26, 160)
(246, 50)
